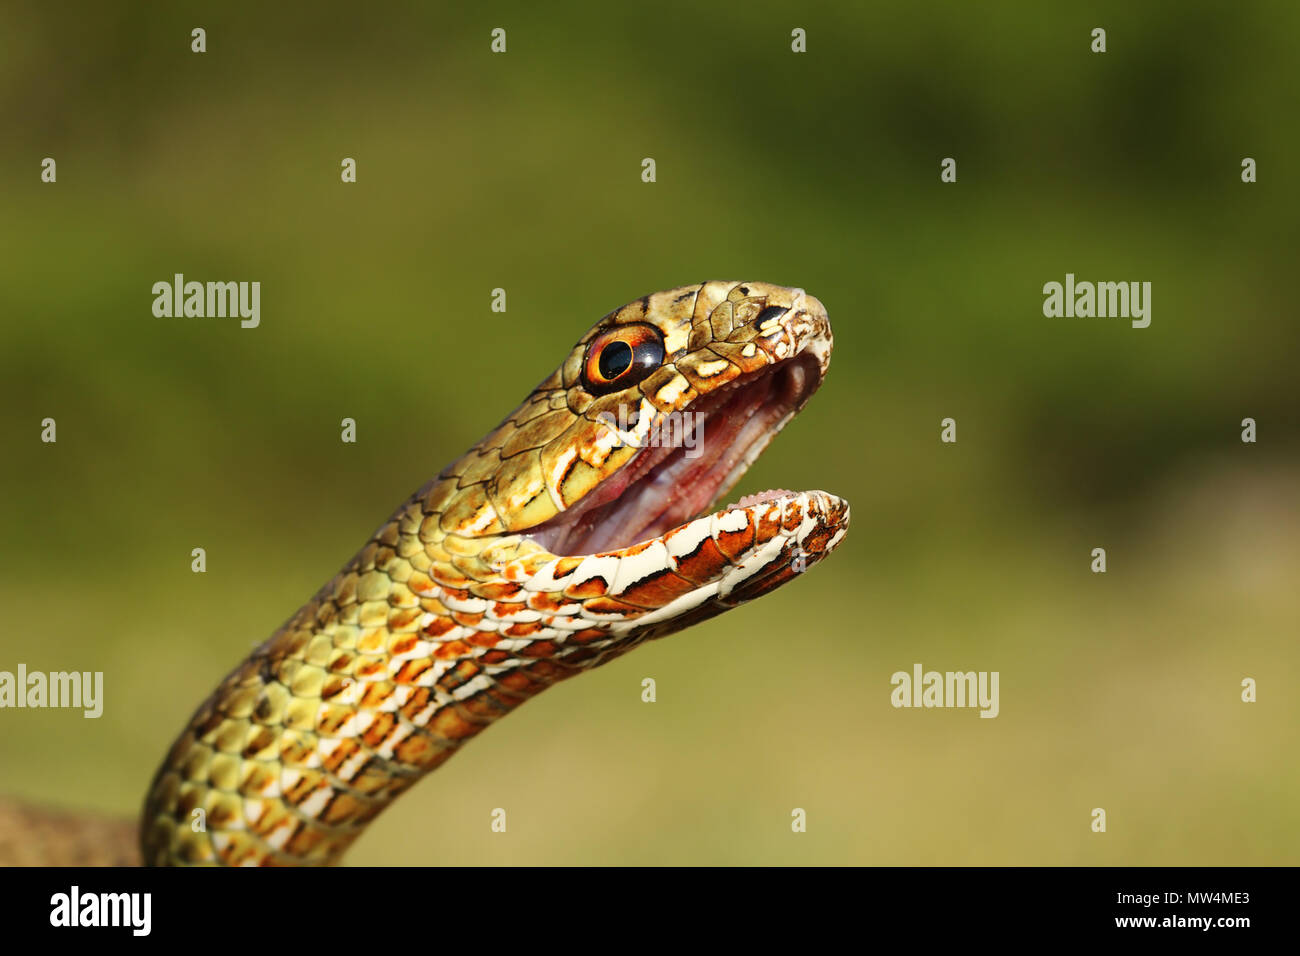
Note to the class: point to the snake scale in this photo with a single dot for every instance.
(578, 528)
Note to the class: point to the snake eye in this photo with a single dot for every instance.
(621, 357)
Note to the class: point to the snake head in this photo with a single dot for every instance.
(587, 522)
(600, 497)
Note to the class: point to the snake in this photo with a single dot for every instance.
(589, 521)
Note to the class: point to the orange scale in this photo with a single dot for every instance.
(418, 750)
(304, 841)
(411, 670)
(767, 525)
(539, 649)
(403, 644)
(379, 729)
(565, 566)
(497, 590)
(258, 779)
(370, 667)
(422, 585)
(438, 626)
(376, 694)
(593, 587)
(451, 725)
(373, 641)
(518, 681)
(609, 605)
(466, 619)
(462, 673)
(451, 650)
(332, 719)
(549, 670)
(262, 741)
(705, 564)
(400, 619)
(344, 808)
(418, 700)
(274, 819)
(735, 543)
(334, 686)
(656, 590)
(793, 516)
(547, 601)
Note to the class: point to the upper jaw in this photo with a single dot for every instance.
(782, 353)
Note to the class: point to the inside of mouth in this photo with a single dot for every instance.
(690, 468)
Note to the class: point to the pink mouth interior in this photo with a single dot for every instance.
(661, 487)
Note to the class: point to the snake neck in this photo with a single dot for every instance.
(418, 644)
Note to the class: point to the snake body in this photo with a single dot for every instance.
(563, 539)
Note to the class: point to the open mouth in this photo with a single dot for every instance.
(668, 485)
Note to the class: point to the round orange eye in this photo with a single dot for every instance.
(622, 356)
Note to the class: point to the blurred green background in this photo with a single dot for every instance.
(819, 170)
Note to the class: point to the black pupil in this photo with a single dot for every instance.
(615, 359)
